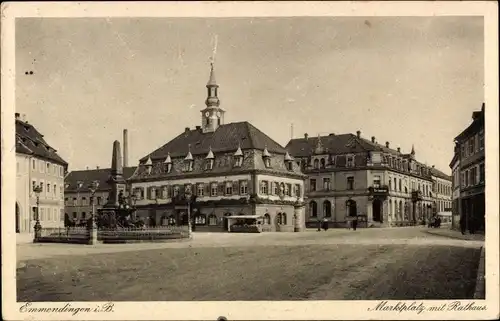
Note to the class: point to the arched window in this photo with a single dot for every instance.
(396, 209)
(313, 208)
(171, 220)
(212, 220)
(316, 163)
(283, 218)
(327, 209)
(323, 163)
(267, 219)
(400, 208)
(400, 185)
(406, 190)
(200, 219)
(278, 218)
(390, 208)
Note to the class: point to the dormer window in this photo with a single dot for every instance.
(188, 162)
(238, 157)
(168, 163)
(267, 158)
(288, 161)
(350, 161)
(209, 160)
(176, 191)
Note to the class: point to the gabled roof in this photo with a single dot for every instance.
(86, 177)
(226, 138)
(437, 173)
(336, 144)
(30, 141)
(475, 126)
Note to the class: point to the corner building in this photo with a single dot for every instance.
(230, 169)
(349, 175)
(37, 164)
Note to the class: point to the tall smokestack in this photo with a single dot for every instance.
(125, 148)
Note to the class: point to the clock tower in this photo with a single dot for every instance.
(213, 115)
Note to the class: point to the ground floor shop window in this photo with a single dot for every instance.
(212, 220)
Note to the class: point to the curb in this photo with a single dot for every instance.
(451, 236)
(479, 293)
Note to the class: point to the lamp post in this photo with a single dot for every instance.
(93, 226)
(38, 227)
(188, 196)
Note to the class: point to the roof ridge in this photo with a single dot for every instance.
(249, 125)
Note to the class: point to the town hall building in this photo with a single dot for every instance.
(226, 172)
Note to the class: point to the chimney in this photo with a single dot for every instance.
(373, 139)
(198, 127)
(17, 115)
(125, 148)
(187, 130)
(306, 135)
(331, 134)
(358, 133)
(387, 144)
(432, 166)
(86, 167)
(399, 149)
(97, 167)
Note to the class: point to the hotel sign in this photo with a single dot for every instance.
(379, 191)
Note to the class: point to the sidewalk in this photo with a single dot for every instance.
(446, 232)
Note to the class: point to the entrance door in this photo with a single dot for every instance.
(18, 219)
(377, 210)
(351, 208)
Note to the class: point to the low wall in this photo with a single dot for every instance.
(134, 235)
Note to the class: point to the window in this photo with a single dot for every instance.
(84, 214)
(84, 201)
(48, 168)
(282, 189)
(34, 164)
(326, 183)
(481, 173)
(463, 150)
(229, 188)
(463, 179)
(212, 220)
(153, 193)
(471, 146)
(200, 190)
(243, 188)
(481, 139)
(200, 219)
(209, 164)
(274, 188)
(313, 209)
(41, 187)
(473, 175)
(376, 181)
(350, 161)
(289, 165)
(263, 187)
(213, 189)
(48, 188)
(99, 200)
(400, 185)
(390, 184)
(297, 190)
(55, 189)
(312, 185)
(267, 219)
(467, 181)
(176, 190)
(395, 184)
(188, 165)
(316, 163)
(322, 163)
(327, 209)
(74, 215)
(238, 161)
(283, 218)
(350, 183)
(288, 189)
(267, 162)
(33, 185)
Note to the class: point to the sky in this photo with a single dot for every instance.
(406, 80)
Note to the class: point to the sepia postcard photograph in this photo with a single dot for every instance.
(250, 160)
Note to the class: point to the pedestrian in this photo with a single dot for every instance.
(348, 223)
(354, 223)
(462, 225)
(325, 224)
(319, 225)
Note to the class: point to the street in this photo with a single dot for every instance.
(367, 264)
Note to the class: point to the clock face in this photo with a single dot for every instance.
(207, 114)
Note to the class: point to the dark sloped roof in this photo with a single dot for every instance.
(436, 172)
(335, 144)
(30, 141)
(86, 177)
(226, 138)
(476, 125)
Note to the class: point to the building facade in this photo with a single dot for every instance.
(37, 164)
(77, 198)
(229, 169)
(349, 175)
(470, 145)
(455, 186)
(442, 193)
